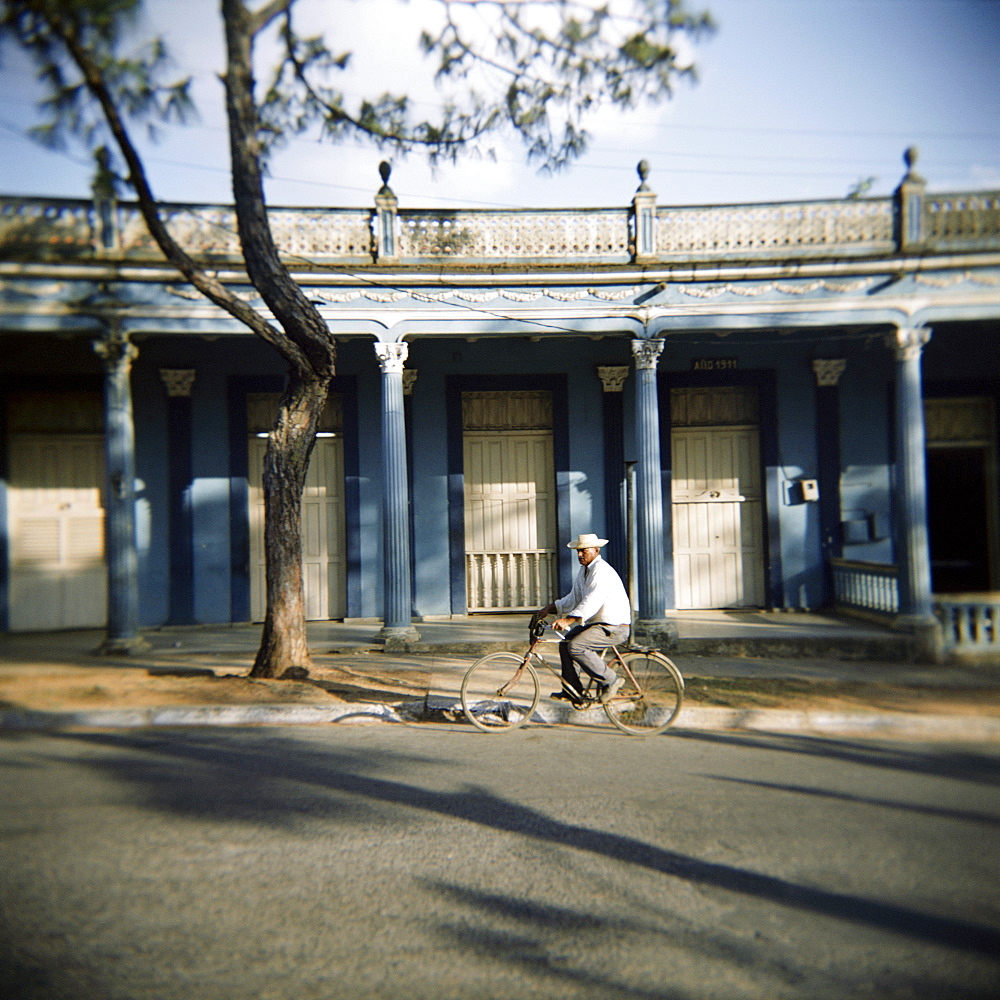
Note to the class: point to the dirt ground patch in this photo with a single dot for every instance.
(61, 688)
(740, 692)
(371, 678)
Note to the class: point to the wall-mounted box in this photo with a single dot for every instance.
(801, 491)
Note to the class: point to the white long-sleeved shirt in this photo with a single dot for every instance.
(598, 595)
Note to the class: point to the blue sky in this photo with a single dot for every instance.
(797, 99)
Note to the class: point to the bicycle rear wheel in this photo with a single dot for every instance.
(498, 694)
(649, 705)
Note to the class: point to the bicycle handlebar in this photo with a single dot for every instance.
(539, 627)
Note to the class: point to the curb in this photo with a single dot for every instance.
(874, 725)
(200, 715)
(880, 725)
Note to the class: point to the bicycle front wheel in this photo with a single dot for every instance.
(650, 699)
(500, 692)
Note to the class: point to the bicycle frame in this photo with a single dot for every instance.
(532, 654)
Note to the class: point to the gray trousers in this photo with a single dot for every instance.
(580, 652)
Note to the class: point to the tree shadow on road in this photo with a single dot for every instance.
(957, 764)
(923, 810)
(270, 778)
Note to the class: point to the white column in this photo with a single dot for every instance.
(397, 628)
(916, 610)
(118, 353)
(655, 582)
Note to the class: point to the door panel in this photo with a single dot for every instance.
(58, 575)
(323, 531)
(717, 517)
(509, 520)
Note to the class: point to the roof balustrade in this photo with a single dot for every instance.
(42, 229)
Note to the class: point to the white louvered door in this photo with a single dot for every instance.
(510, 504)
(717, 505)
(323, 532)
(58, 575)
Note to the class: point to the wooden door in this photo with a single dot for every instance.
(323, 565)
(510, 523)
(58, 574)
(717, 515)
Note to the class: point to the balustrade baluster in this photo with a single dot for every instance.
(980, 629)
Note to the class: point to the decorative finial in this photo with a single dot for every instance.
(385, 172)
(642, 169)
(105, 183)
(910, 159)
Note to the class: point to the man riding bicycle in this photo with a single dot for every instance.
(598, 614)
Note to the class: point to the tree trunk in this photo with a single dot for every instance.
(284, 642)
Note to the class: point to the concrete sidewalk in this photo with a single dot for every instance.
(726, 634)
(428, 675)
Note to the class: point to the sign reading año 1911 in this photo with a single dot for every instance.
(713, 364)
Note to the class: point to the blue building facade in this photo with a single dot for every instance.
(788, 406)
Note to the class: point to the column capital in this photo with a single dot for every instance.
(828, 370)
(612, 377)
(115, 350)
(391, 357)
(646, 353)
(178, 381)
(908, 341)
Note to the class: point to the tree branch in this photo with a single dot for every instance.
(209, 286)
(337, 112)
(299, 318)
(263, 17)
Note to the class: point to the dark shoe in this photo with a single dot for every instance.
(564, 695)
(608, 691)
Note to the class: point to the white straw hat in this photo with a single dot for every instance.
(590, 541)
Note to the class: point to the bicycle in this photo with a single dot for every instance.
(501, 691)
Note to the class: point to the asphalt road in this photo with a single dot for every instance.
(438, 862)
